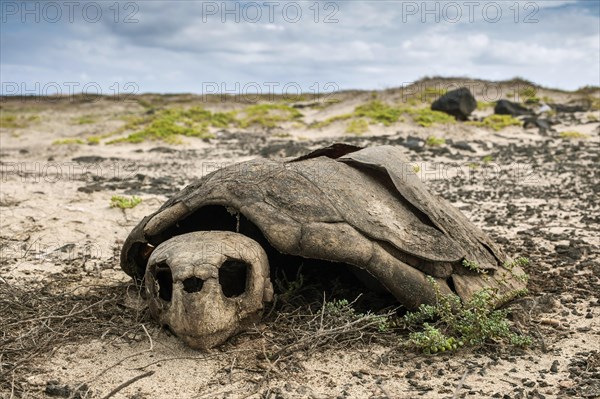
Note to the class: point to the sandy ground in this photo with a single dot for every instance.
(537, 197)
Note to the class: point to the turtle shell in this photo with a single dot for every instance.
(363, 207)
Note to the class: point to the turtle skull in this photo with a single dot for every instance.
(207, 286)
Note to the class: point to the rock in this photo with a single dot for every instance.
(550, 322)
(462, 145)
(414, 143)
(164, 150)
(542, 124)
(458, 103)
(56, 389)
(562, 108)
(505, 107)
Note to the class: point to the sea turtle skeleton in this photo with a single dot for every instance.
(204, 258)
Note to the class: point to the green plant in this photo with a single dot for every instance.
(433, 141)
(85, 120)
(487, 159)
(68, 141)
(170, 124)
(93, 140)
(426, 117)
(571, 135)
(451, 323)
(121, 202)
(510, 264)
(358, 127)
(329, 121)
(410, 101)
(520, 262)
(528, 92)
(481, 105)
(17, 121)
(497, 122)
(432, 340)
(474, 266)
(379, 112)
(267, 115)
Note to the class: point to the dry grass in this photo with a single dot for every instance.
(37, 320)
(313, 314)
(326, 325)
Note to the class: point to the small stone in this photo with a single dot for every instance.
(554, 367)
(550, 322)
(566, 383)
(358, 375)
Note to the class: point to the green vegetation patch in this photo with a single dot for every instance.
(572, 135)
(267, 115)
(118, 201)
(11, 121)
(528, 93)
(85, 120)
(329, 121)
(496, 122)
(450, 323)
(68, 141)
(472, 265)
(482, 105)
(521, 262)
(433, 141)
(592, 117)
(358, 127)
(426, 117)
(169, 125)
(379, 112)
(93, 140)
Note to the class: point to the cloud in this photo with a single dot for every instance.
(178, 46)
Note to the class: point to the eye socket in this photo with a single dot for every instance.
(193, 284)
(233, 277)
(164, 278)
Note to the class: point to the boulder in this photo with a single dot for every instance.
(570, 109)
(459, 103)
(505, 107)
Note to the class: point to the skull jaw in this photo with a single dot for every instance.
(203, 324)
(206, 340)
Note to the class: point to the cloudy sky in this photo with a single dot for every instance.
(272, 46)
